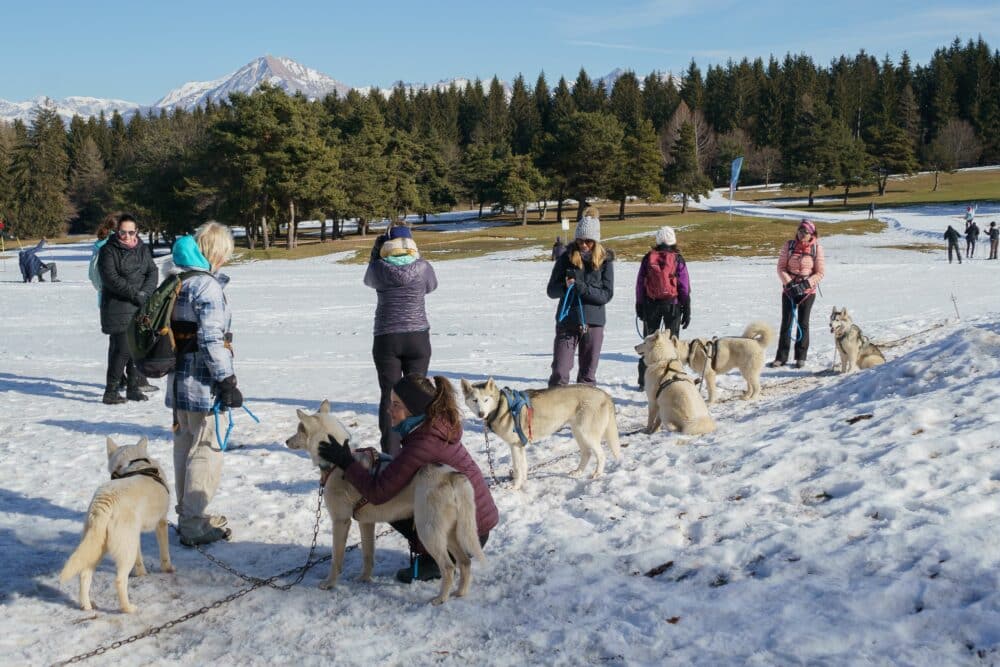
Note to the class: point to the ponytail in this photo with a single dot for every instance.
(443, 406)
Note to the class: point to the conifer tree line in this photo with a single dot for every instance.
(268, 160)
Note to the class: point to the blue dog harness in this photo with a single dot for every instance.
(517, 401)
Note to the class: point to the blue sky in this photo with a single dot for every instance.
(138, 50)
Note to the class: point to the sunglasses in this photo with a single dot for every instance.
(127, 232)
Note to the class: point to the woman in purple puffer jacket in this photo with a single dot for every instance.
(427, 416)
(402, 342)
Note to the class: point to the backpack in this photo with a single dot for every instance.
(791, 249)
(660, 281)
(154, 339)
(93, 272)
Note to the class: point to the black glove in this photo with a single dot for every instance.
(685, 314)
(229, 395)
(140, 298)
(379, 242)
(638, 310)
(336, 453)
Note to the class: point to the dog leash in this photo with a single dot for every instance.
(565, 307)
(224, 441)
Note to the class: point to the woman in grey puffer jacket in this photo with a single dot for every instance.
(402, 342)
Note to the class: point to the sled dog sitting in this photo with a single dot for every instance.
(440, 500)
(134, 501)
(721, 355)
(588, 410)
(673, 399)
(855, 350)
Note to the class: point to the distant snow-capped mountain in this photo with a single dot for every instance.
(282, 73)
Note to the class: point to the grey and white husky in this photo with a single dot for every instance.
(134, 501)
(855, 350)
(589, 412)
(440, 499)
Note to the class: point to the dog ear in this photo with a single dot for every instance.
(324, 407)
(143, 445)
(490, 384)
(466, 387)
(112, 447)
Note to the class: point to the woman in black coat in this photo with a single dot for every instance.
(128, 277)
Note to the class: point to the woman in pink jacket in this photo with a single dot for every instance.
(800, 269)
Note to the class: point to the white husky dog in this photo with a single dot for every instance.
(588, 410)
(673, 399)
(440, 499)
(134, 501)
(856, 351)
(721, 355)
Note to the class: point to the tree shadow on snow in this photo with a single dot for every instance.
(40, 560)
(105, 428)
(17, 503)
(50, 387)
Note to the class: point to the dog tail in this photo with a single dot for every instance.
(760, 332)
(611, 431)
(465, 529)
(95, 538)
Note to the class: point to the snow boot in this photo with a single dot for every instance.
(422, 568)
(133, 394)
(213, 534)
(112, 398)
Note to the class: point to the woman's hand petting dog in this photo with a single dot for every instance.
(336, 453)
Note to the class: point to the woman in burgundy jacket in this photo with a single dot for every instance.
(427, 417)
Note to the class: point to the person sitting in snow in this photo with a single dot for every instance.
(33, 267)
(427, 416)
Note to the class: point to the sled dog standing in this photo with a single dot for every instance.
(673, 399)
(721, 355)
(134, 501)
(589, 411)
(440, 500)
(855, 350)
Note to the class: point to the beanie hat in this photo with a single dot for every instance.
(808, 225)
(666, 236)
(414, 392)
(400, 232)
(588, 228)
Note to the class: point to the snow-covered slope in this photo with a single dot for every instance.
(794, 535)
(68, 107)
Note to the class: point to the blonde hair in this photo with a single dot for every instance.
(215, 242)
(597, 255)
(591, 212)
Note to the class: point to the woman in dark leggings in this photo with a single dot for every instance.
(402, 342)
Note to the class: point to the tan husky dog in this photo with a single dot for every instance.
(673, 399)
(855, 350)
(721, 355)
(588, 410)
(440, 500)
(134, 501)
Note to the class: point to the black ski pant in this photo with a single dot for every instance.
(120, 362)
(993, 248)
(788, 308)
(970, 249)
(396, 355)
(653, 314)
(953, 245)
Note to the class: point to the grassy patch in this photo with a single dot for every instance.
(919, 247)
(959, 188)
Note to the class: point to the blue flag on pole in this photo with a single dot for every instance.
(737, 165)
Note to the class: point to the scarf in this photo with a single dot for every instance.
(408, 425)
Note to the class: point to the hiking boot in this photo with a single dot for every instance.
(209, 536)
(112, 398)
(422, 568)
(136, 395)
(147, 388)
(777, 363)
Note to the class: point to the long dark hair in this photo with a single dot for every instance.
(444, 406)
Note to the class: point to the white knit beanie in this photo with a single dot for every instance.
(666, 236)
(588, 228)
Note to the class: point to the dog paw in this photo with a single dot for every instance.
(130, 609)
(576, 473)
(365, 578)
(596, 474)
(327, 584)
(87, 607)
(439, 600)
(167, 568)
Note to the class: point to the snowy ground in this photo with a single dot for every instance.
(794, 536)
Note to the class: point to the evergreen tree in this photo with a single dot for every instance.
(811, 159)
(588, 153)
(659, 99)
(585, 95)
(641, 167)
(683, 176)
(89, 191)
(626, 103)
(496, 121)
(40, 167)
(693, 88)
(525, 121)
(891, 151)
(518, 183)
(852, 166)
(365, 167)
(543, 103)
(471, 112)
(479, 174)
(8, 140)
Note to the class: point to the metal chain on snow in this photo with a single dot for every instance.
(489, 454)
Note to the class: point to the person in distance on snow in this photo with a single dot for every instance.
(128, 277)
(662, 290)
(204, 374)
(402, 336)
(971, 236)
(800, 269)
(951, 235)
(588, 268)
(994, 235)
(33, 267)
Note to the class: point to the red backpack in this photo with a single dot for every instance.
(660, 281)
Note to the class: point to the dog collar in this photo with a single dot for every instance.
(149, 471)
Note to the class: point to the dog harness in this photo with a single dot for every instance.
(149, 471)
(516, 402)
(711, 349)
(678, 377)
